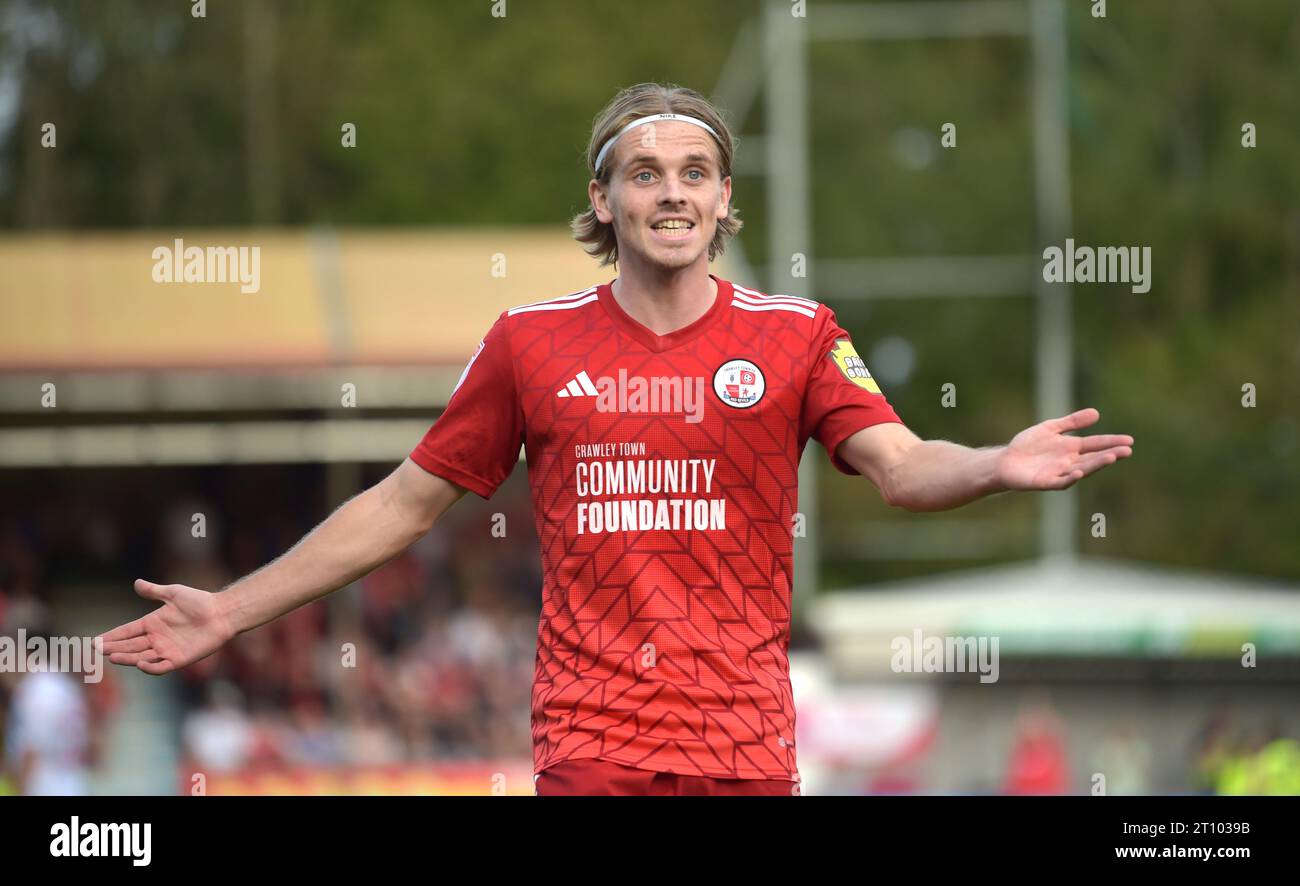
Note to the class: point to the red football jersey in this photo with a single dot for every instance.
(664, 475)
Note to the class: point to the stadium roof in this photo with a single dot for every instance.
(89, 301)
(1060, 606)
(148, 372)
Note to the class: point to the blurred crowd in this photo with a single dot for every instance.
(1228, 759)
(51, 723)
(428, 658)
(402, 671)
(1225, 757)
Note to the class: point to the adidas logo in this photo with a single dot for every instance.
(638, 393)
(579, 386)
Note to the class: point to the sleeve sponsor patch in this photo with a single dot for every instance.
(846, 358)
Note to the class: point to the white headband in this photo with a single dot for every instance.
(681, 118)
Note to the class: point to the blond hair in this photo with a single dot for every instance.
(642, 100)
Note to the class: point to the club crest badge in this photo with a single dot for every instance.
(739, 383)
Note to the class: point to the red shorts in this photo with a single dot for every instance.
(605, 779)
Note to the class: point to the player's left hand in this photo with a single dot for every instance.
(1045, 457)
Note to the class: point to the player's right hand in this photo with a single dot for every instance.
(190, 625)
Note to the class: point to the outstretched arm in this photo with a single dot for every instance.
(363, 533)
(935, 475)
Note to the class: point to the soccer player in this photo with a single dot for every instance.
(49, 742)
(663, 416)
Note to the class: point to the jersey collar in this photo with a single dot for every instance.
(651, 339)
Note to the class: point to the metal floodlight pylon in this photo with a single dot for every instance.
(770, 59)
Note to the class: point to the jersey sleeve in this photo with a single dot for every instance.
(842, 397)
(475, 442)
